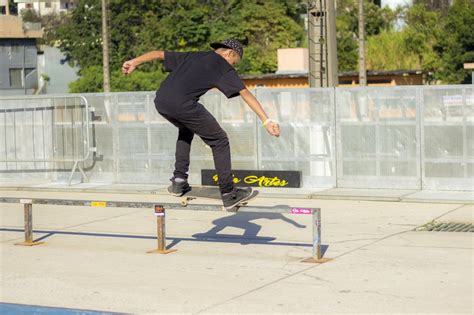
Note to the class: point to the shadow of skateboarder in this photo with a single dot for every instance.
(243, 221)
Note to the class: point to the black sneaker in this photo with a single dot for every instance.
(179, 188)
(237, 197)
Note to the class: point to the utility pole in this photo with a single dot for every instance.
(322, 43)
(7, 7)
(362, 69)
(105, 48)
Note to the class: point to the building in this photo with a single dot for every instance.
(53, 66)
(293, 73)
(18, 56)
(45, 7)
(374, 78)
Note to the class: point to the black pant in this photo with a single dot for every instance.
(195, 119)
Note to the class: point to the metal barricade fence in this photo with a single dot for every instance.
(378, 143)
(447, 137)
(404, 137)
(45, 133)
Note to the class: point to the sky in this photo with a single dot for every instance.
(394, 3)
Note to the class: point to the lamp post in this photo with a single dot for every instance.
(362, 69)
(322, 48)
(105, 48)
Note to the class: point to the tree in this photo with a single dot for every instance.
(387, 51)
(455, 45)
(441, 6)
(29, 15)
(263, 26)
(377, 20)
(420, 35)
(91, 80)
(140, 26)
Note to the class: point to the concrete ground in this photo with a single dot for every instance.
(95, 258)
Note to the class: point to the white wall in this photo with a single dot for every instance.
(42, 7)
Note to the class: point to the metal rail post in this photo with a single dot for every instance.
(28, 212)
(161, 232)
(159, 210)
(317, 251)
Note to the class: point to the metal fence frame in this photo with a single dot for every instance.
(127, 161)
(366, 97)
(466, 161)
(84, 129)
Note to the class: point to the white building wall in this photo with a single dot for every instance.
(47, 7)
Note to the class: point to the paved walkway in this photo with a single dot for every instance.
(94, 258)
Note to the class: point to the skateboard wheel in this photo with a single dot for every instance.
(184, 203)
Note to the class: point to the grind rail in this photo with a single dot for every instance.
(159, 210)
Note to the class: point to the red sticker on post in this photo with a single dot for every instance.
(159, 211)
(301, 210)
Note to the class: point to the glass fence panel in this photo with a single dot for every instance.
(410, 137)
(448, 141)
(307, 141)
(378, 137)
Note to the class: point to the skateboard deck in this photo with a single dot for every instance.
(207, 192)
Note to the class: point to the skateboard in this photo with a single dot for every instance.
(208, 192)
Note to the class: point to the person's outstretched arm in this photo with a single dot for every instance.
(272, 126)
(130, 65)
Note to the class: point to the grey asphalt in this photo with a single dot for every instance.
(95, 258)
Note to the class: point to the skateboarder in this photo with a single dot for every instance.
(192, 75)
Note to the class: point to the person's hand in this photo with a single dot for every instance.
(272, 127)
(128, 67)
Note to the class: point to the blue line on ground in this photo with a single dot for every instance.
(14, 309)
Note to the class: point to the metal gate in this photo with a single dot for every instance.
(45, 133)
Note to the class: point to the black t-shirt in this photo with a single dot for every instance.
(193, 74)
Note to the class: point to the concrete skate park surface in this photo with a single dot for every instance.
(95, 258)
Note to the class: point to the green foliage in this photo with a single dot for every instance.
(441, 6)
(434, 39)
(137, 81)
(387, 51)
(263, 27)
(91, 80)
(455, 45)
(28, 15)
(79, 37)
(347, 45)
(377, 20)
(420, 34)
(50, 24)
(137, 27)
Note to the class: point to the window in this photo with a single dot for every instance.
(28, 71)
(47, 5)
(16, 48)
(29, 5)
(16, 78)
